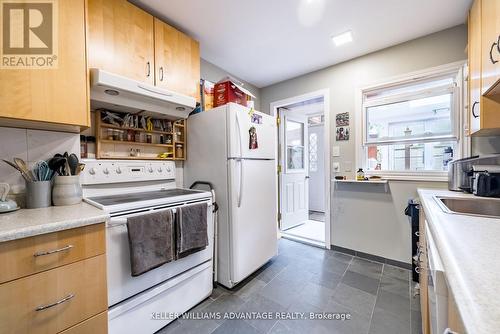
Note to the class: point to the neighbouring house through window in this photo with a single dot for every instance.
(412, 125)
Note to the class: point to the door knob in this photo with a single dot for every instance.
(308, 177)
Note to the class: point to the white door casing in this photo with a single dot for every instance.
(294, 177)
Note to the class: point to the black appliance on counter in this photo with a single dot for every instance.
(412, 211)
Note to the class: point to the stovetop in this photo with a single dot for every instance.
(141, 196)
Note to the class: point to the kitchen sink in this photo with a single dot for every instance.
(481, 207)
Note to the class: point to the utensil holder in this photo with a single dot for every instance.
(38, 194)
(67, 190)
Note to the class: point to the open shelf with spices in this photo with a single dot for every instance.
(136, 137)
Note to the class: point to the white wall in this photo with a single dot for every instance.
(343, 80)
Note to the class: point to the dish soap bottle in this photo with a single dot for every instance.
(360, 175)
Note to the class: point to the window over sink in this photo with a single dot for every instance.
(411, 126)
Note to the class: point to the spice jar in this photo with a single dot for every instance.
(149, 139)
(130, 135)
(179, 152)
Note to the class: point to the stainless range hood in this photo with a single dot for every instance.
(115, 92)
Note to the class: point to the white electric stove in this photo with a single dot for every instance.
(130, 188)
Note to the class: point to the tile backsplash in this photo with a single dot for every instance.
(31, 146)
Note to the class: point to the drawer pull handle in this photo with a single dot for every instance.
(59, 302)
(63, 249)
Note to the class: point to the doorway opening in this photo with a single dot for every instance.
(303, 186)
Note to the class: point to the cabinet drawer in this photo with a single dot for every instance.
(94, 325)
(54, 300)
(23, 257)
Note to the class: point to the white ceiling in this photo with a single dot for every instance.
(267, 41)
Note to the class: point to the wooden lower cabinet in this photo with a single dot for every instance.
(53, 250)
(95, 325)
(423, 265)
(65, 290)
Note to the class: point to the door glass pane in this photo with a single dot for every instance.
(294, 145)
(294, 133)
(295, 157)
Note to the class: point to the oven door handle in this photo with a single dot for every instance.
(118, 221)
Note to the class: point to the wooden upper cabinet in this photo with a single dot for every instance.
(177, 60)
(474, 51)
(57, 95)
(490, 37)
(121, 39)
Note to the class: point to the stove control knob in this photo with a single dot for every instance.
(160, 170)
(92, 171)
(169, 169)
(106, 171)
(118, 170)
(151, 169)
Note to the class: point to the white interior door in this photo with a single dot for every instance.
(294, 177)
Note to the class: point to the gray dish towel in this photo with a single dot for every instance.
(191, 229)
(151, 241)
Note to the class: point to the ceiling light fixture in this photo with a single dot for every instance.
(343, 38)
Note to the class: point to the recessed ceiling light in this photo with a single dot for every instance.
(342, 38)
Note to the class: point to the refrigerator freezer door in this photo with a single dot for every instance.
(253, 213)
(250, 134)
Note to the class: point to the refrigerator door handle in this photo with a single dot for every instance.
(240, 188)
(239, 134)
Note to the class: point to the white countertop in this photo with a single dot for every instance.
(469, 248)
(30, 222)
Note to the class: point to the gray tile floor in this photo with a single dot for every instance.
(307, 279)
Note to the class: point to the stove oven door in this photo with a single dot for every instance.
(121, 284)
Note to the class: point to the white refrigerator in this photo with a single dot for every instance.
(234, 148)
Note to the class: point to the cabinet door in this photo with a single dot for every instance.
(474, 51)
(56, 95)
(120, 39)
(423, 277)
(177, 59)
(490, 32)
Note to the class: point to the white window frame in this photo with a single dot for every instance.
(459, 119)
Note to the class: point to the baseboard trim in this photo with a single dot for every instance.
(372, 257)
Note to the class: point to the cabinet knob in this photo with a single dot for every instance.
(148, 69)
(160, 73)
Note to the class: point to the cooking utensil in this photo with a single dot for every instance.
(80, 168)
(56, 164)
(73, 163)
(18, 169)
(23, 168)
(42, 171)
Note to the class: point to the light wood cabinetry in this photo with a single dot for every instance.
(177, 60)
(55, 289)
(454, 319)
(126, 40)
(57, 96)
(25, 257)
(490, 37)
(121, 39)
(423, 265)
(484, 68)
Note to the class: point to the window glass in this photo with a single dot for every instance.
(423, 117)
(313, 152)
(295, 145)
